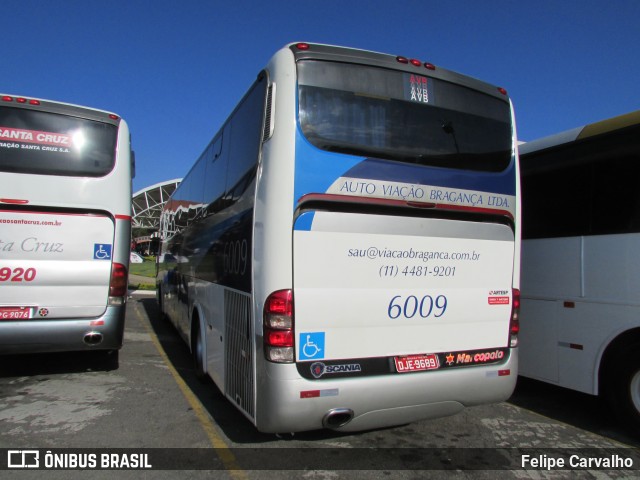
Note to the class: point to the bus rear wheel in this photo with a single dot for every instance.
(197, 351)
(623, 393)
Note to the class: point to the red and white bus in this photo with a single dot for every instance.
(65, 223)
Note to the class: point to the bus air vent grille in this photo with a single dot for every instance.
(239, 384)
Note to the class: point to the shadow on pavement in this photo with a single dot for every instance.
(56, 363)
(568, 406)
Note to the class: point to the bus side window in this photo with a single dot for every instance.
(614, 182)
(244, 143)
(215, 177)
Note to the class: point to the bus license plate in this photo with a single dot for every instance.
(417, 363)
(15, 313)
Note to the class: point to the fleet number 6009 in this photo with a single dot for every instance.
(410, 306)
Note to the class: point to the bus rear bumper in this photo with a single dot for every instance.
(64, 335)
(377, 402)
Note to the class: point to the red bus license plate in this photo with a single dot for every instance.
(15, 313)
(417, 363)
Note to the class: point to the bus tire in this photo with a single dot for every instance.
(197, 350)
(159, 297)
(623, 393)
(160, 300)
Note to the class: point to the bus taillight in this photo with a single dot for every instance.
(118, 284)
(514, 325)
(415, 62)
(9, 98)
(278, 327)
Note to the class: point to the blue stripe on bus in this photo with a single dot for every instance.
(304, 221)
(375, 169)
(316, 170)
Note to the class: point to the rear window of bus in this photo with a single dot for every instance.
(51, 144)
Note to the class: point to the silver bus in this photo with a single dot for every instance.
(344, 253)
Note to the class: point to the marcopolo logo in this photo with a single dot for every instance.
(474, 358)
(318, 369)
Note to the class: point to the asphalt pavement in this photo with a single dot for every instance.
(152, 402)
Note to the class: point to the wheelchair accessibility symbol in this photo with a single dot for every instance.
(311, 345)
(101, 251)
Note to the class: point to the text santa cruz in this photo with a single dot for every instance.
(417, 193)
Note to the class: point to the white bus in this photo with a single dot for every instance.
(65, 222)
(345, 251)
(580, 263)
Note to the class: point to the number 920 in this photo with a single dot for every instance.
(17, 274)
(412, 306)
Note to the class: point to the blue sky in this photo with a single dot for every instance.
(175, 69)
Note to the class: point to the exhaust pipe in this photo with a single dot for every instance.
(337, 417)
(92, 338)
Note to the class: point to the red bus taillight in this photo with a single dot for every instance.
(118, 284)
(278, 327)
(9, 98)
(514, 325)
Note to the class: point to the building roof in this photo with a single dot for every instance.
(147, 203)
